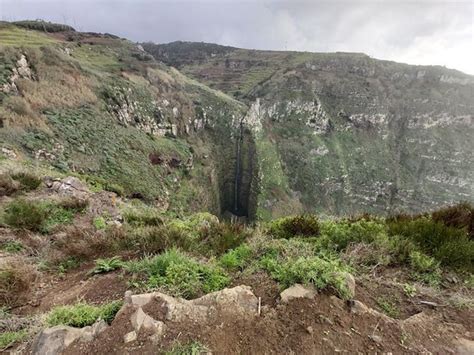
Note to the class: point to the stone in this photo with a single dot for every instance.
(52, 341)
(349, 283)
(309, 330)
(464, 346)
(376, 339)
(141, 320)
(297, 291)
(129, 337)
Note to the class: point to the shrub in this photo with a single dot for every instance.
(25, 214)
(218, 238)
(289, 227)
(12, 246)
(142, 216)
(337, 235)
(82, 314)
(237, 258)
(179, 274)
(73, 203)
(8, 339)
(322, 273)
(449, 245)
(8, 186)
(457, 216)
(99, 222)
(15, 280)
(107, 265)
(422, 263)
(28, 182)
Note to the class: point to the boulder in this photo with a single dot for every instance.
(52, 341)
(297, 291)
(464, 346)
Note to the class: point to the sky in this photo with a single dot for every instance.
(429, 32)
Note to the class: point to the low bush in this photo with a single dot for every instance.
(15, 280)
(179, 274)
(450, 246)
(221, 237)
(142, 215)
(457, 216)
(297, 226)
(28, 181)
(389, 307)
(82, 314)
(25, 215)
(99, 223)
(237, 258)
(320, 272)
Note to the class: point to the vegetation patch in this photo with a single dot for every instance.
(7, 339)
(297, 226)
(179, 274)
(82, 314)
(106, 265)
(191, 348)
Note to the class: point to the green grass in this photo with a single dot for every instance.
(179, 274)
(17, 37)
(388, 307)
(191, 348)
(99, 223)
(82, 314)
(8, 339)
(238, 258)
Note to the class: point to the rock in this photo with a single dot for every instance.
(376, 339)
(129, 337)
(349, 282)
(52, 341)
(9, 153)
(141, 320)
(70, 185)
(464, 346)
(325, 319)
(358, 307)
(297, 291)
(309, 330)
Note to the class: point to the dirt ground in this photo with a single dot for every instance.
(322, 325)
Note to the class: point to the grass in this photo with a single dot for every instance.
(179, 274)
(99, 223)
(16, 278)
(388, 307)
(12, 246)
(82, 314)
(191, 348)
(7, 339)
(41, 216)
(17, 37)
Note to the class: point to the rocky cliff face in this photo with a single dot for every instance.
(344, 133)
(256, 133)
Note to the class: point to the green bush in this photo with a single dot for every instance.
(28, 182)
(218, 238)
(450, 246)
(297, 226)
(142, 215)
(179, 274)
(82, 314)
(322, 273)
(422, 263)
(337, 235)
(25, 214)
(237, 258)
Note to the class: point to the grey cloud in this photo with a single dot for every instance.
(418, 32)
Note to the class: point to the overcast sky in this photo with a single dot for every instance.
(416, 32)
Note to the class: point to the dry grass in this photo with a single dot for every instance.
(16, 278)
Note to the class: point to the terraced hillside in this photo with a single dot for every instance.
(343, 133)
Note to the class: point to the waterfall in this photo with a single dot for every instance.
(238, 168)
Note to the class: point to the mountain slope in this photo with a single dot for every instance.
(346, 133)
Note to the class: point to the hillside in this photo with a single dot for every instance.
(192, 198)
(343, 133)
